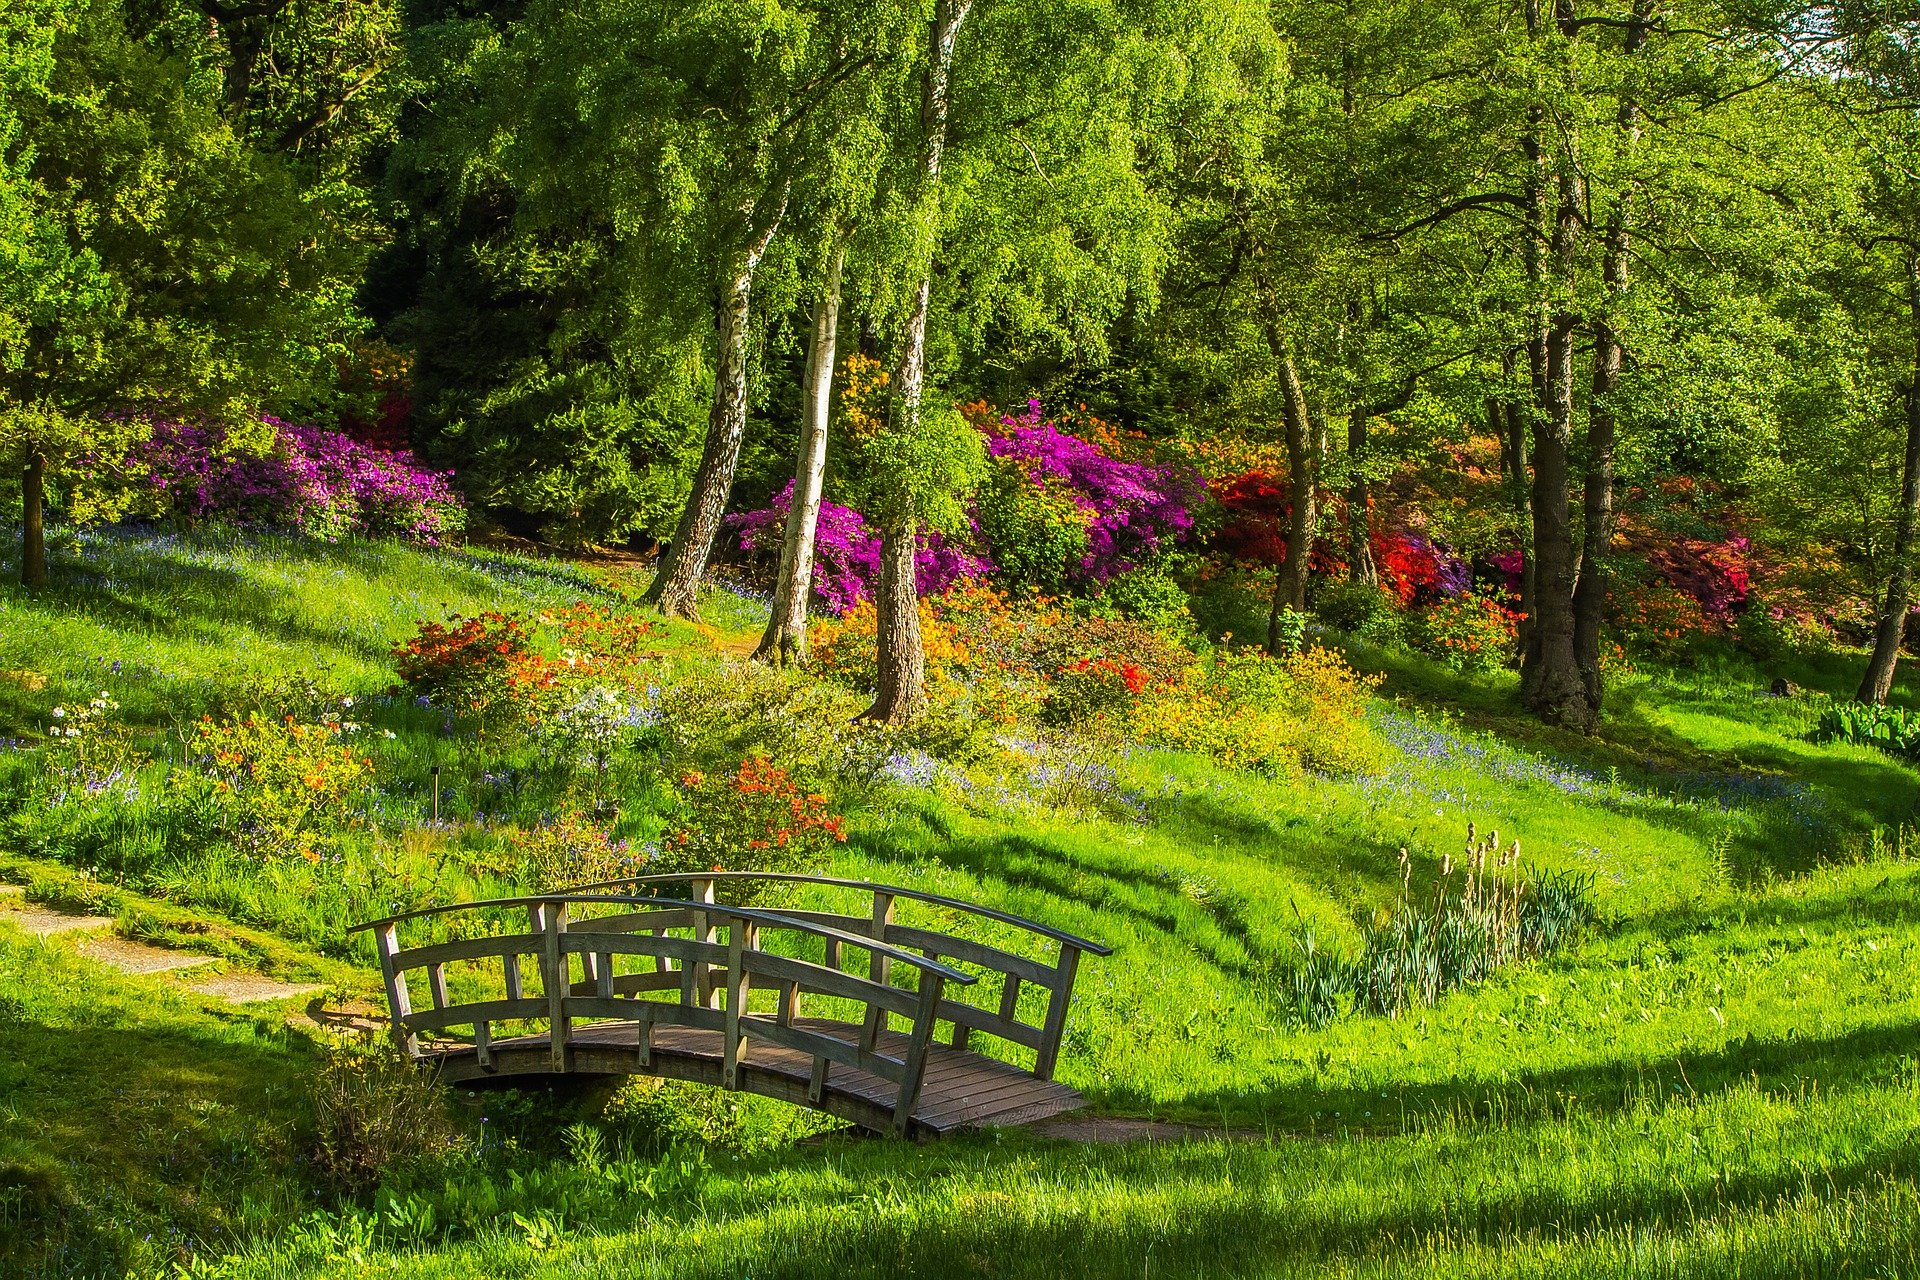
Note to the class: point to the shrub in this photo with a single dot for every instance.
(1658, 618)
(273, 473)
(1134, 510)
(374, 1114)
(756, 818)
(1473, 632)
(277, 787)
(1148, 594)
(484, 667)
(570, 850)
(1036, 527)
(1367, 613)
(1095, 692)
(1307, 710)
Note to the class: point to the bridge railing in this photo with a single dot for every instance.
(1000, 1018)
(612, 967)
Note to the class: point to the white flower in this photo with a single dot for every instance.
(387, 734)
(59, 713)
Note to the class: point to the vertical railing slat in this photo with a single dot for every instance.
(916, 1064)
(556, 978)
(387, 940)
(1057, 1001)
(880, 969)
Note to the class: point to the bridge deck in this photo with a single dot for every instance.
(959, 1090)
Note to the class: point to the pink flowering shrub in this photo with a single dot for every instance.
(847, 552)
(319, 483)
(1131, 510)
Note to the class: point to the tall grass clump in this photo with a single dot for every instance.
(1483, 914)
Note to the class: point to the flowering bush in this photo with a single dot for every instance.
(1474, 632)
(88, 748)
(1131, 509)
(1038, 529)
(1307, 710)
(320, 483)
(1095, 692)
(570, 850)
(847, 552)
(1368, 613)
(1658, 618)
(276, 786)
(755, 819)
(482, 666)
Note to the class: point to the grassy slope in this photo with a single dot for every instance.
(1725, 1071)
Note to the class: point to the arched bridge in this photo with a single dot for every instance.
(854, 1013)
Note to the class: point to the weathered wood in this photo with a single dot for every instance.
(386, 942)
(1049, 1050)
(880, 967)
(900, 1081)
(914, 1075)
(740, 938)
(555, 980)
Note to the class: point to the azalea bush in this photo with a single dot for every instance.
(1248, 710)
(1474, 632)
(1096, 692)
(753, 818)
(277, 787)
(277, 474)
(483, 667)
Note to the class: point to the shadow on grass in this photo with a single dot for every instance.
(1789, 1065)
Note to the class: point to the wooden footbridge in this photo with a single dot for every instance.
(852, 1013)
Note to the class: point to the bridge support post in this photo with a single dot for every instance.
(880, 970)
(703, 992)
(554, 976)
(386, 940)
(1057, 1002)
(742, 937)
(916, 1065)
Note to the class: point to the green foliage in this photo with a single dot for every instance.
(1038, 532)
(1363, 611)
(1895, 729)
(1149, 594)
(376, 1117)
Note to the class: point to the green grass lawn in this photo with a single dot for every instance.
(1721, 1078)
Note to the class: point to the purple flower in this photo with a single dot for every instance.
(1132, 507)
(847, 552)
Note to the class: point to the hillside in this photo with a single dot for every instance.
(1716, 1076)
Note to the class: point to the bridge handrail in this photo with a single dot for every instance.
(755, 914)
(898, 891)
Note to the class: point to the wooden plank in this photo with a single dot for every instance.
(511, 966)
(916, 1066)
(810, 1044)
(386, 942)
(879, 968)
(555, 980)
(828, 982)
(437, 984)
(687, 950)
(740, 938)
(1048, 1053)
(992, 1024)
(677, 918)
(466, 949)
(943, 946)
(460, 1015)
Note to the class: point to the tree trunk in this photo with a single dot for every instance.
(786, 636)
(901, 694)
(1891, 627)
(1590, 592)
(33, 521)
(675, 588)
(1360, 566)
(1510, 418)
(1303, 523)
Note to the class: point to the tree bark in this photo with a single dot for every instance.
(1552, 681)
(1590, 592)
(900, 695)
(675, 588)
(1510, 418)
(33, 521)
(1303, 522)
(786, 636)
(1360, 566)
(1890, 628)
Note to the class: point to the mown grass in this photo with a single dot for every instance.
(1718, 1079)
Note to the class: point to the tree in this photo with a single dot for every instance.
(155, 259)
